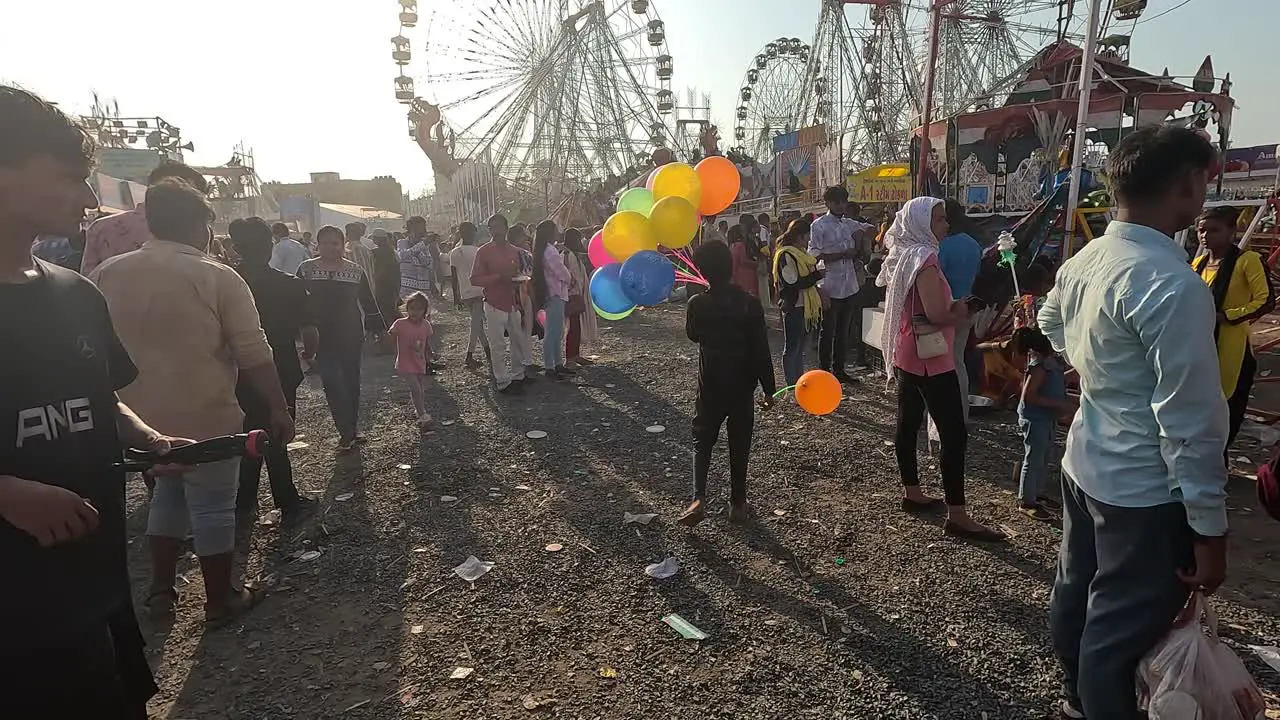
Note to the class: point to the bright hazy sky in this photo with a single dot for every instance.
(307, 84)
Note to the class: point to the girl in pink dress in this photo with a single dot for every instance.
(412, 337)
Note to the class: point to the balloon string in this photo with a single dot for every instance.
(783, 391)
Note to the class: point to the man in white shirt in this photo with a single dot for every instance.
(1143, 484)
(286, 254)
(462, 260)
(835, 241)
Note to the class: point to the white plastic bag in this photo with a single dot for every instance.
(1192, 675)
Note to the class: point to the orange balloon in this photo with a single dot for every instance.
(720, 184)
(819, 392)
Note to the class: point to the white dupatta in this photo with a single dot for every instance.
(910, 242)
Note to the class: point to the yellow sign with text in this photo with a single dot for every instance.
(881, 184)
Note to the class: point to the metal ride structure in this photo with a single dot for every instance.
(555, 96)
(771, 92)
(865, 77)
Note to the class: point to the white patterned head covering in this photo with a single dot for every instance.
(910, 242)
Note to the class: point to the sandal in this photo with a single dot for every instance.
(1036, 512)
(693, 515)
(241, 603)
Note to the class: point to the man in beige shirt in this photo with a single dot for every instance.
(191, 326)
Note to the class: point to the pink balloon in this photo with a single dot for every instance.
(542, 318)
(648, 183)
(596, 253)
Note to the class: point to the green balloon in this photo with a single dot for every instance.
(636, 200)
(612, 316)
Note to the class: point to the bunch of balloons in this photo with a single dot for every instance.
(666, 212)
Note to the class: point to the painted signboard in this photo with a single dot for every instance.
(881, 184)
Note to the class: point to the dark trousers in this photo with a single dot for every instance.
(1116, 594)
(340, 370)
(940, 396)
(833, 340)
(793, 334)
(1238, 403)
(573, 338)
(101, 673)
(712, 412)
(257, 416)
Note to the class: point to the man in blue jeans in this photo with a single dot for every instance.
(1143, 486)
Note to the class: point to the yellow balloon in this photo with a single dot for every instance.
(674, 221)
(627, 233)
(677, 180)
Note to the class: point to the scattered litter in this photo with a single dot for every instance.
(419, 549)
(461, 673)
(360, 704)
(472, 569)
(638, 518)
(1265, 373)
(381, 665)
(840, 561)
(403, 466)
(610, 385)
(344, 497)
(448, 498)
(588, 548)
(271, 518)
(1269, 655)
(309, 555)
(779, 512)
(1242, 460)
(536, 434)
(655, 429)
(684, 627)
(554, 547)
(951, 642)
(533, 702)
(663, 570)
(407, 584)
(523, 487)
(417, 630)
(608, 673)
(579, 472)
(447, 423)
(298, 445)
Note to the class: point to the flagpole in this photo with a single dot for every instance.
(926, 110)
(1082, 117)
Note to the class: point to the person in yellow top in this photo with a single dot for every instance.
(1242, 293)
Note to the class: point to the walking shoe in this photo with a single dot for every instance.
(693, 514)
(1049, 503)
(1035, 512)
(565, 370)
(978, 534)
(1066, 711)
(513, 389)
(584, 361)
(846, 378)
(300, 505)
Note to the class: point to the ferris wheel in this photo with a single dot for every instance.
(771, 92)
(865, 76)
(551, 94)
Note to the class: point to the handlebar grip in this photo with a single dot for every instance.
(253, 444)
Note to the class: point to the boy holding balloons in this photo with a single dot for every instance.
(733, 358)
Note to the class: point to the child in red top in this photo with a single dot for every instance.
(412, 337)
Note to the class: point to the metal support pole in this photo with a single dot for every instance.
(1082, 116)
(930, 73)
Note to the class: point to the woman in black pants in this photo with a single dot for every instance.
(918, 341)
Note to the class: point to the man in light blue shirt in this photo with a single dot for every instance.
(287, 254)
(1144, 486)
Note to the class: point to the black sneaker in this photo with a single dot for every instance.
(513, 389)
(1049, 503)
(300, 505)
(1066, 711)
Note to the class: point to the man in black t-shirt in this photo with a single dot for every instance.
(69, 643)
(282, 305)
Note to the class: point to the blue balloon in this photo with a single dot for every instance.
(606, 290)
(647, 278)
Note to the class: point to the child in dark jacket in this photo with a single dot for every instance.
(733, 357)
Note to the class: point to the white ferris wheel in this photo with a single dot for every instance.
(553, 95)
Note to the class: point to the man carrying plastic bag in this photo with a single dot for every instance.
(1143, 483)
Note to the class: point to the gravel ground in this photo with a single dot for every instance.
(832, 605)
